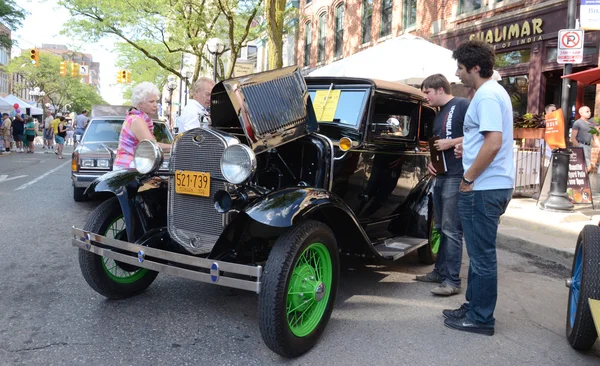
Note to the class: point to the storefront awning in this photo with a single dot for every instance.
(591, 76)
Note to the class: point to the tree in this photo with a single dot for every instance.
(60, 91)
(11, 15)
(274, 14)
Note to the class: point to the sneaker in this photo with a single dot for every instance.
(430, 277)
(466, 325)
(455, 313)
(445, 290)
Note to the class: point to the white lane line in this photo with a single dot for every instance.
(5, 178)
(42, 176)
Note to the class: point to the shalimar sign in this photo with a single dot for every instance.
(511, 35)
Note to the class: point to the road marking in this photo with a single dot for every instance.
(42, 176)
(5, 178)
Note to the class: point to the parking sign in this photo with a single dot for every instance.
(570, 46)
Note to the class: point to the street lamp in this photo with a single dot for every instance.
(215, 47)
(188, 76)
(37, 94)
(171, 85)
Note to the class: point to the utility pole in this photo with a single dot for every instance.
(557, 196)
(180, 82)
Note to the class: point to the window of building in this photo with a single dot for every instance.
(512, 58)
(322, 37)
(367, 16)
(517, 88)
(338, 48)
(410, 13)
(307, 43)
(4, 56)
(386, 18)
(468, 6)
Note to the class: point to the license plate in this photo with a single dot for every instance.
(194, 183)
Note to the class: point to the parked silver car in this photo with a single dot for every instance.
(96, 151)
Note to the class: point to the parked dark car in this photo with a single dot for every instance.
(269, 198)
(96, 151)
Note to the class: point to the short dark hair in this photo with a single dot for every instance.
(83, 111)
(476, 53)
(435, 82)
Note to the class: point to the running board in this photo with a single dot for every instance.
(395, 248)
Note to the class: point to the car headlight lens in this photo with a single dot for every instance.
(147, 157)
(238, 163)
(87, 163)
(103, 163)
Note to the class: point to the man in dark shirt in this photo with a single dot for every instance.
(18, 130)
(581, 136)
(448, 125)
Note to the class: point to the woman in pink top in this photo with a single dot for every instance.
(137, 125)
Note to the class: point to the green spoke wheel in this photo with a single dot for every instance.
(110, 278)
(428, 252)
(298, 290)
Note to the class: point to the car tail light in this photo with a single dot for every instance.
(74, 162)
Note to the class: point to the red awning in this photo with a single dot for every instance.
(591, 76)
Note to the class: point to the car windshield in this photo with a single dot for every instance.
(100, 130)
(342, 106)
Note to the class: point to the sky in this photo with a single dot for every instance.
(43, 25)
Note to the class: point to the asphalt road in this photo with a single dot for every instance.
(49, 315)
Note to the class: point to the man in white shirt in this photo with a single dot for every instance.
(48, 133)
(196, 109)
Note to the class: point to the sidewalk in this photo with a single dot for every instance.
(525, 228)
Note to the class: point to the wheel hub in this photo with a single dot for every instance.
(319, 291)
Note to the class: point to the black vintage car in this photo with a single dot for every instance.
(293, 174)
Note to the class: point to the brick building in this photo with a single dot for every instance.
(523, 32)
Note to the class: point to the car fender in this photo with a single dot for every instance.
(287, 207)
(419, 208)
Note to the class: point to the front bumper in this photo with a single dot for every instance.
(83, 180)
(197, 269)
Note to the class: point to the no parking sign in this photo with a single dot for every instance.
(570, 46)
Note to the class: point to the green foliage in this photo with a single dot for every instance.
(60, 91)
(11, 15)
(529, 120)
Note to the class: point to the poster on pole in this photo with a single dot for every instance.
(578, 182)
(589, 14)
(555, 130)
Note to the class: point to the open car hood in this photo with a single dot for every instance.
(271, 108)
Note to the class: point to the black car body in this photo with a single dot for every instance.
(354, 183)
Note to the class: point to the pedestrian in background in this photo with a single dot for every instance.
(59, 138)
(30, 134)
(448, 125)
(581, 136)
(80, 124)
(18, 130)
(70, 132)
(6, 131)
(197, 107)
(48, 138)
(487, 184)
(137, 125)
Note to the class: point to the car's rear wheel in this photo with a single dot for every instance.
(79, 195)
(428, 252)
(298, 288)
(584, 285)
(110, 278)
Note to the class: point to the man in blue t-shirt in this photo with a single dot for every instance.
(448, 125)
(487, 184)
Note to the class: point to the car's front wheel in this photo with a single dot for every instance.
(298, 290)
(584, 284)
(110, 278)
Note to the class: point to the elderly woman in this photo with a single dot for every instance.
(137, 125)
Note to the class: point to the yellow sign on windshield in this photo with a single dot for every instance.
(325, 104)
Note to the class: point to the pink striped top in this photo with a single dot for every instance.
(127, 141)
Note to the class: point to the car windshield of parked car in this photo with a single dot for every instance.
(161, 132)
(100, 130)
(349, 106)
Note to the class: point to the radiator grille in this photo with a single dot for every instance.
(281, 110)
(193, 221)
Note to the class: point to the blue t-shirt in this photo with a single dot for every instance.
(490, 111)
(448, 124)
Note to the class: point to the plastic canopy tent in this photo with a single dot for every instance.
(407, 59)
(23, 106)
(5, 107)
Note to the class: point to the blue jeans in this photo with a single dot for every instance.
(480, 213)
(447, 223)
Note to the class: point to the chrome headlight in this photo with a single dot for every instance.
(148, 157)
(103, 163)
(238, 163)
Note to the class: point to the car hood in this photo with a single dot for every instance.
(273, 107)
(97, 147)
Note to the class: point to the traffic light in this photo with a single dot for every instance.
(74, 69)
(119, 77)
(63, 68)
(124, 76)
(34, 56)
(128, 77)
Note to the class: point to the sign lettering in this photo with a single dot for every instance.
(521, 32)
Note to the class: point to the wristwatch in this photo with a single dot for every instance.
(466, 181)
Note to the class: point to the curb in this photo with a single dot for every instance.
(511, 239)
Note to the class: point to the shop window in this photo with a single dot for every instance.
(307, 43)
(338, 48)
(386, 18)
(551, 53)
(322, 37)
(517, 88)
(512, 58)
(410, 13)
(367, 16)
